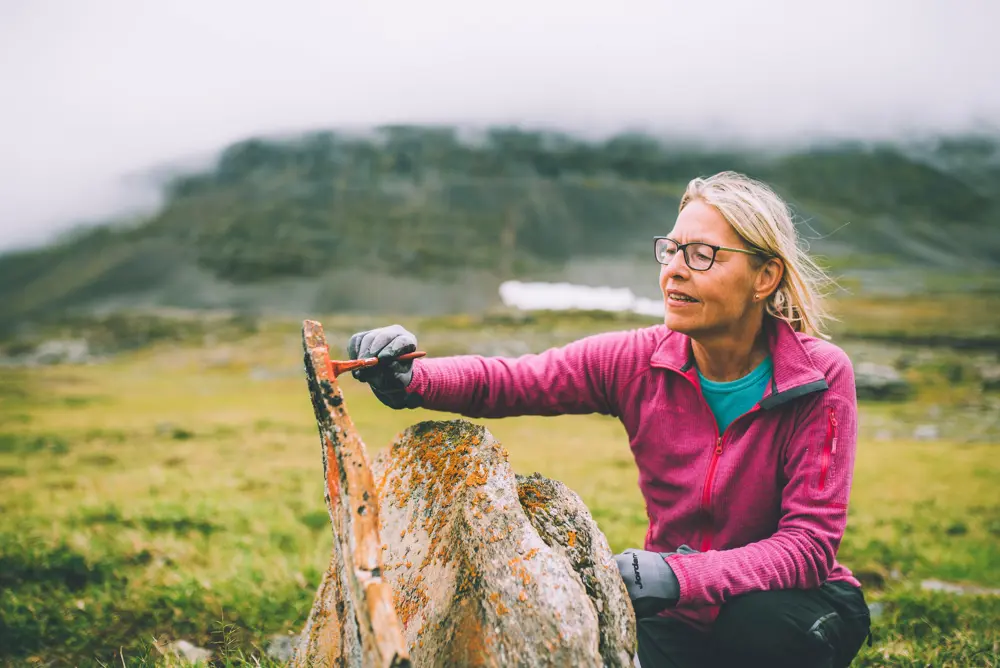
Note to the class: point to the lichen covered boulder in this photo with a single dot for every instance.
(564, 523)
(479, 579)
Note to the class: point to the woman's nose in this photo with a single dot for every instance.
(677, 265)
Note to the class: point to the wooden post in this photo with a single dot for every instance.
(353, 621)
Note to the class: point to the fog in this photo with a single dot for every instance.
(97, 94)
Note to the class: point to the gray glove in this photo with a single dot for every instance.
(388, 379)
(649, 580)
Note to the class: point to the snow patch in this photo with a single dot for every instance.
(567, 296)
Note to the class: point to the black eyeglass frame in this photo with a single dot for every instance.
(682, 248)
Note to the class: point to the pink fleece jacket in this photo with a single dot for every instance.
(765, 502)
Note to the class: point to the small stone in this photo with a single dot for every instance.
(989, 376)
(182, 649)
(938, 585)
(878, 382)
(926, 432)
(74, 351)
(952, 588)
(281, 648)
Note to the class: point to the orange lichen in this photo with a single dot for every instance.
(467, 579)
(477, 477)
(409, 599)
(498, 536)
(522, 596)
(519, 570)
(571, 538)
(432, 466)
(532, 498)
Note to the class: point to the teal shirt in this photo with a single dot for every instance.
(730, 400)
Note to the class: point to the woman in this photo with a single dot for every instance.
(743, 424)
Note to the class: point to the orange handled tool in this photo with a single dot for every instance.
(339, 367)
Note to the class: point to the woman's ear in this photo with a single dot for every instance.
(769, 277)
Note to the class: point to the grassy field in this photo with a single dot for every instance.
(175, 492)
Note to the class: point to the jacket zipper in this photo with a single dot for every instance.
(706, 495)
(829, 447)
(713, 465)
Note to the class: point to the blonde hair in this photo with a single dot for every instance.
(764, 221)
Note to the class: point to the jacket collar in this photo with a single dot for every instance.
(794, 374)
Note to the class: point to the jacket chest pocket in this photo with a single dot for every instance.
(829, 448)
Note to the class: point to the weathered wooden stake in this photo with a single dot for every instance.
(353, 622)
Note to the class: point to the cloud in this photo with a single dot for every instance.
(95, 92)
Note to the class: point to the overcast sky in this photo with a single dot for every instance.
(94, 92)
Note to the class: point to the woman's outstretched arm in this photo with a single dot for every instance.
(575, 378)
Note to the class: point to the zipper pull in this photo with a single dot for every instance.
(833, 425)
(718, 446)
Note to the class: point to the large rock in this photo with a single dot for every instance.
(492, 569)
(565, 524)
(443, 557)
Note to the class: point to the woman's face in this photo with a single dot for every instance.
(723, 295)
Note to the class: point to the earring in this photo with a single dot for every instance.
(756, 296)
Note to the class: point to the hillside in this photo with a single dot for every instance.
(421, 219)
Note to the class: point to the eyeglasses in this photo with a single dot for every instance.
(699, 256)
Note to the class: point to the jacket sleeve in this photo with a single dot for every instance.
(818, 468)
(575, 378)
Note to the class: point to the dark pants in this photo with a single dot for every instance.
(814, 628)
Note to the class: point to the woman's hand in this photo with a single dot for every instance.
(389, 379)
(649, 580)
